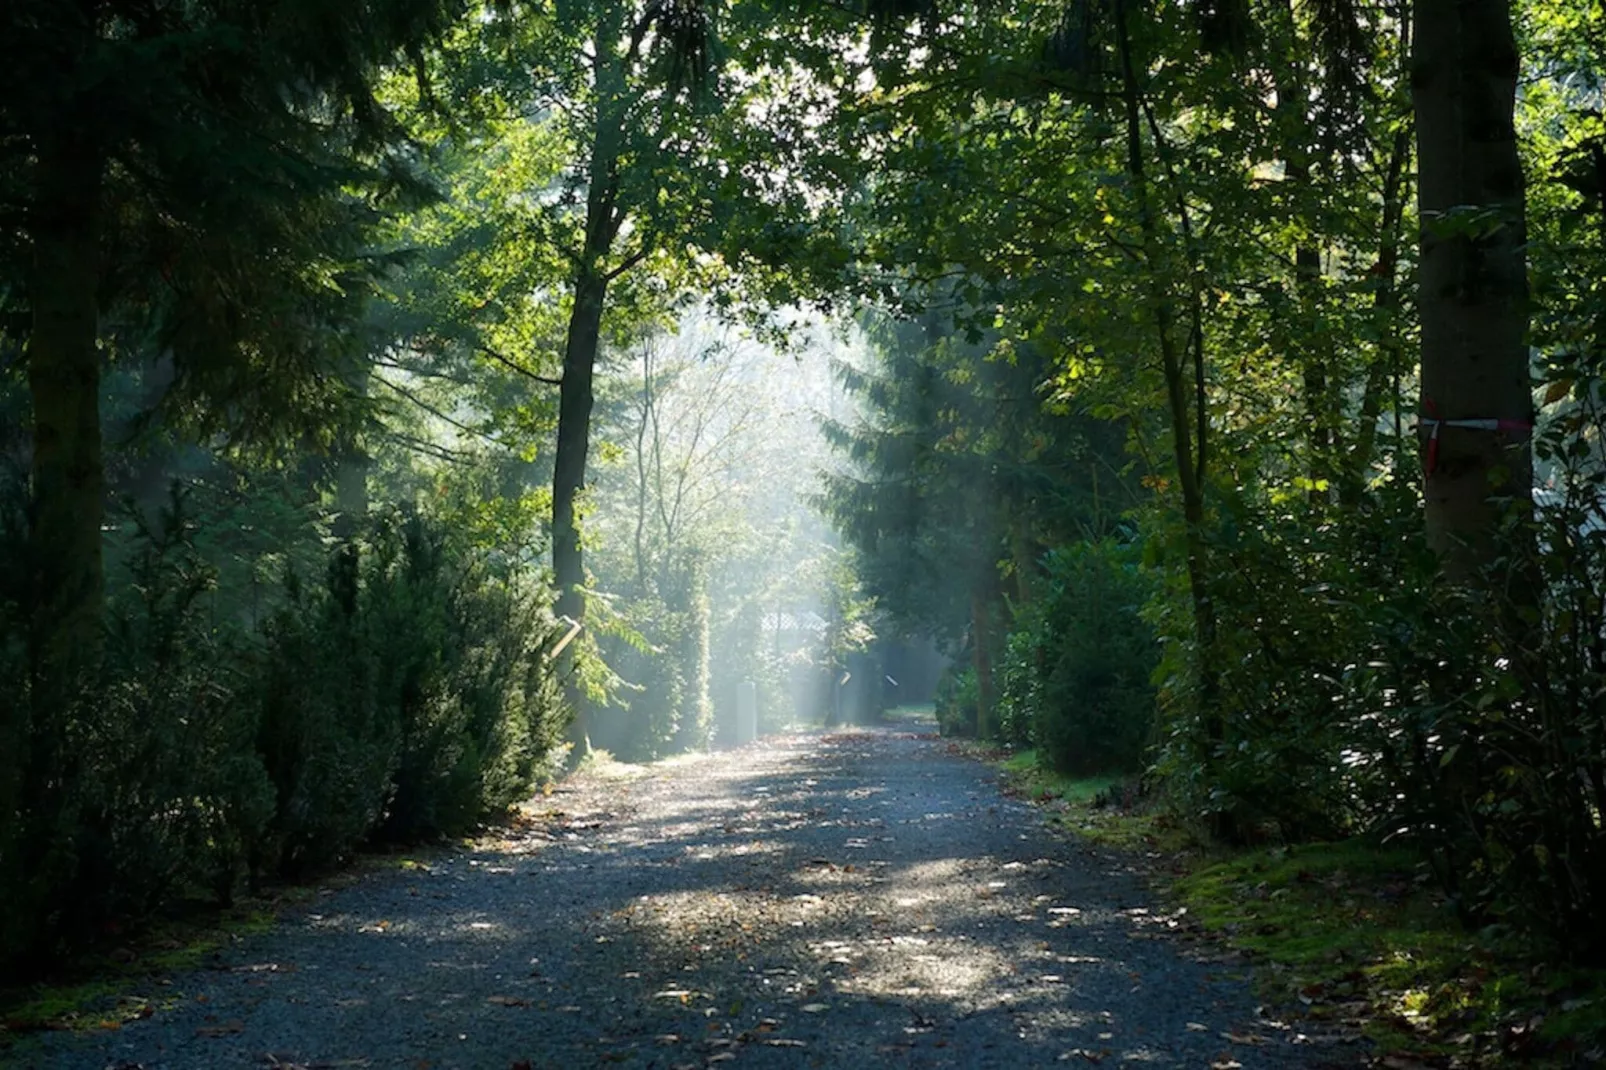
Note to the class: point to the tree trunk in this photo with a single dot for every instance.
(1307, 339)
(1316, 359)
(575, 401)
(1473, 278)
(575, 395)
(37, 773)
(1386, 306)
(983, 661)
(1021, 545)
(352, 464)
(64, 385)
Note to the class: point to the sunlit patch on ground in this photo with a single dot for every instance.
(846, 900)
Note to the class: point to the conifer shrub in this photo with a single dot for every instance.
(459, 672)
(402, 696)
(405, 698)
(145, 788)
(325, 742)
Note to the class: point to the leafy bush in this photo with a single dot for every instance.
(956, 701)
(1075, 678)
(1020, 680)
(1259, 738)
(661, 657)
(1492, 719)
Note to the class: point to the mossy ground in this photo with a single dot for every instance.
(109, 988)
(1353, 934)
(124, 979)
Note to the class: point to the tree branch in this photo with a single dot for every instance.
(521, 369)
(433, 411)
(418, 445)
(629, 262)
(378, 363)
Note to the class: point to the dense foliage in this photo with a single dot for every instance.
(392, 687)
(1331, 347)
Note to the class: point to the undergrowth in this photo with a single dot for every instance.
(1352, 934)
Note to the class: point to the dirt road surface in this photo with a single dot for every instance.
(850, 900)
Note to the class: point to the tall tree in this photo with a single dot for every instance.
(190, 165)
(681, 168)
(1477, 408)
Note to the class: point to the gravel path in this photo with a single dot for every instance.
(808, 901)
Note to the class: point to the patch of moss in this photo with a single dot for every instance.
(1102, 809)
(1358, 931)
(105, 991)
(1045, 784)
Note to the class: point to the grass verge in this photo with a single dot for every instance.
(1351, 934)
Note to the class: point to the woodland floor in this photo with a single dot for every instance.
(811, 900)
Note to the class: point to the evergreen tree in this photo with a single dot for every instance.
(193, 167)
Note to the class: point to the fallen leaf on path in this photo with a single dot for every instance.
(222, 1029)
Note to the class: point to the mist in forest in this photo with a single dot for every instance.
(709, 537)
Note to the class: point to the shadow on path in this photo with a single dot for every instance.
(806, 901)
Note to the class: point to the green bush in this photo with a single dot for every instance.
(662, 659)
(1261, 738)
(322, 736)
(404, 696)
(456, 657)
(1075, 677)
(145, 786)
(1020, 681)
(956, 702)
